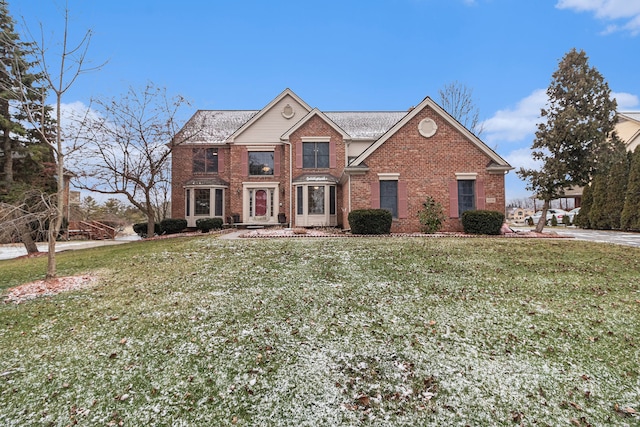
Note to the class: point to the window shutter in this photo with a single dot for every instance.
(480, 195)
(244, 160)
(375, 195)
(220, 161)
(276, 161)
(403, 205)
(299, 155)
(332, 154)
(453, 199)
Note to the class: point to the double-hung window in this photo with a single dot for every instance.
(466, 195)
(389, 196)
(205, 160)
(315, 155)
(261, 162)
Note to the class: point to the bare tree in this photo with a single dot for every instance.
(18, 221)
(59, 71)
(457, 99)
(130, 144)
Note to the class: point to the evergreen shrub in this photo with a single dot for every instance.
(141, 229)
(554, 221)
(482, 222)
(431, 216)
(206, 224)
(172, 225)
(370, 221)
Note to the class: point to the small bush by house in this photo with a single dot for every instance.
(206, 224)
(172, 225)
(482, 222)
(431, 216)
(141, 229)
(370, 221)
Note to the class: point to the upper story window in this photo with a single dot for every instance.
(315, 155)
(261, 162)
(205, 160)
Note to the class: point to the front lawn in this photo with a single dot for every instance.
(323, 332)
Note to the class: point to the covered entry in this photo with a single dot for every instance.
(316, 201)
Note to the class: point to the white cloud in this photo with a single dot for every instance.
(627, 11)
(513, 125)
(626, 101)
(521, 158)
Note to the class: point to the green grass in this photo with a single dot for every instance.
(323, 332)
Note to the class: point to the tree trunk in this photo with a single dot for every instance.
(151, 220)
(27, 240)
(543, 218)
(8, 157)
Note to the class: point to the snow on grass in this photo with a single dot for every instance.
(332, 332)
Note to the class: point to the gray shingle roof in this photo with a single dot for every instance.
(634, 115)
(366, 124)
(215, 126)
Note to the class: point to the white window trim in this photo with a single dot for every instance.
(316, 139)
(388, 176)
(466, 176)
(251, 148)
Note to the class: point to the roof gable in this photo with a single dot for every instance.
(315, 113)
(272, 120)
(496, 161)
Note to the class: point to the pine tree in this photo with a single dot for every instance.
(630, 218)
(15, 75)
(616, 189)
(582, 219)
(580, 120)
(598, 218)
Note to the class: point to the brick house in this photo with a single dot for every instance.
(290, 163)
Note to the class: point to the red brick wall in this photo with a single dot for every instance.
(317, 127)
(427, 165)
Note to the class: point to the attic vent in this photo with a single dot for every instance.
(427, 127)
(288, 111)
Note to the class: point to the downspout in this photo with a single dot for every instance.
(290, 183)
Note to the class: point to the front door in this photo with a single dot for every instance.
(261, 205)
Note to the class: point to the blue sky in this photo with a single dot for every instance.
(344, 55)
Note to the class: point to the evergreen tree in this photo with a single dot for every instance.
(609, 186)
(616, 189)
(598, 218)
(580, 119)
(582, 219)
(630, 218)
(29, 165)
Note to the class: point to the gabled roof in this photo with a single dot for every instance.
(214, 127)
(313, 113)
(262, 112)
(366, 125)
(497, 162)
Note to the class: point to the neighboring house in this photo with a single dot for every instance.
(518, 214)
(290, 163)
(628, 129)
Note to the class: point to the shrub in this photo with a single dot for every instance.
(141, 229)
(566, 220)
(172, 225)
(431, 216)
(529, 221)
(482, 222)
(370, 221)
(206, 224)
(554, 221)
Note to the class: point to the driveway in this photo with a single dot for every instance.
(601, 236)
